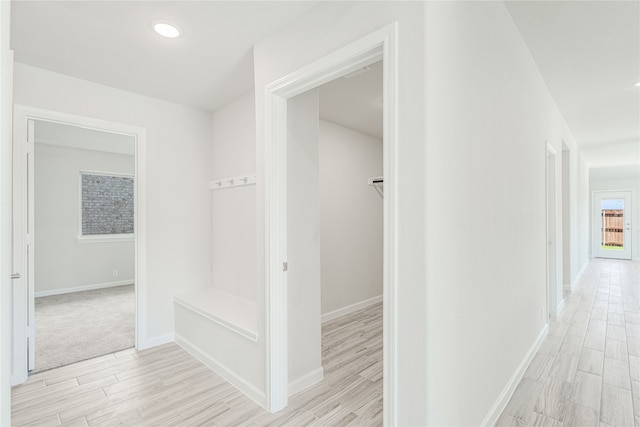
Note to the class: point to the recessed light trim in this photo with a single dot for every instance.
(166, 29)
(637, 84)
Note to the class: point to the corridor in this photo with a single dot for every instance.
(587, 370)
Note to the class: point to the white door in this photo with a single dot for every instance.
(23, 252)
(612, 225)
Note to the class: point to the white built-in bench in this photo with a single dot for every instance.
(230, 311)
(221, 330)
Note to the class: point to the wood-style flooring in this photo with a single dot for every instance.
(165, 386)
(587, 371)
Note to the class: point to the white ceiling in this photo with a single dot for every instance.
(606, 155)
(355, 102)
(111, 42)
(587, 51)
(615, 173)
(589, 55)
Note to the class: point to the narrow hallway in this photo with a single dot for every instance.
(587, 370)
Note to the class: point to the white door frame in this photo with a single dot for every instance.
(628, 216)
(378, 45)
(24, 292)
(551, 203)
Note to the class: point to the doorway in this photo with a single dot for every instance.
(611, 233)
(83, 243)
(551, 215)
(27, 122)
(377, 46)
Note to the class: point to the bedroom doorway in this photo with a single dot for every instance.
(83, 243)
(77, 196)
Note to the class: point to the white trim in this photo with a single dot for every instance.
(229, 375)
(306, 381)
(350, 308)
(156, 341)
(106, 238)
(22, 114)
(229, 324)
(579, 276)
(381, 44)
(102, 173)
(83, 288)
(560, 308)
(507, 392)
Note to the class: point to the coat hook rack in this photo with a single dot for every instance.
(235, 181)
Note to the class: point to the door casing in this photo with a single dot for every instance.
(23, 288)
(379, 45)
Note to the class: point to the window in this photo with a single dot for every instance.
(107, 205)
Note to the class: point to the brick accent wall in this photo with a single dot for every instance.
(107, 204)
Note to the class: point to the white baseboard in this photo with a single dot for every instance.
(306, 381)
(156, 341)
(507, 392)
(83, 288)
(560, 307)
(579, 276)
(350, 308)
(232, 377)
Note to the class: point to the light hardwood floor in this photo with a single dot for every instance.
(587, 371)
(165, 386)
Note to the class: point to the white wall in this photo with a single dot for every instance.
(6, 122)
(233, 210)
(178, 175)
(601, 184)
(584, 207)
(350, 217)
(489, 116)
(61, 262)
(233, 216)
(303, 245)
(326, 28)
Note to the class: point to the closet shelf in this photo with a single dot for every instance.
(377, 182)
(234, 181)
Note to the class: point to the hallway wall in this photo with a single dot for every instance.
(489, 117)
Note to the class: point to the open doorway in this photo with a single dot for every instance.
(335, 239)
(42, 164)
(351, 226)
(83, 243)
(280, 94)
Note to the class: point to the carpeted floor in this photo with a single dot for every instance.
(82, 325)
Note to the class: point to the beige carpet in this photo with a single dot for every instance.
(82, 325)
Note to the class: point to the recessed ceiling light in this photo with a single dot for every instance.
(166, 29)
(638, 84)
